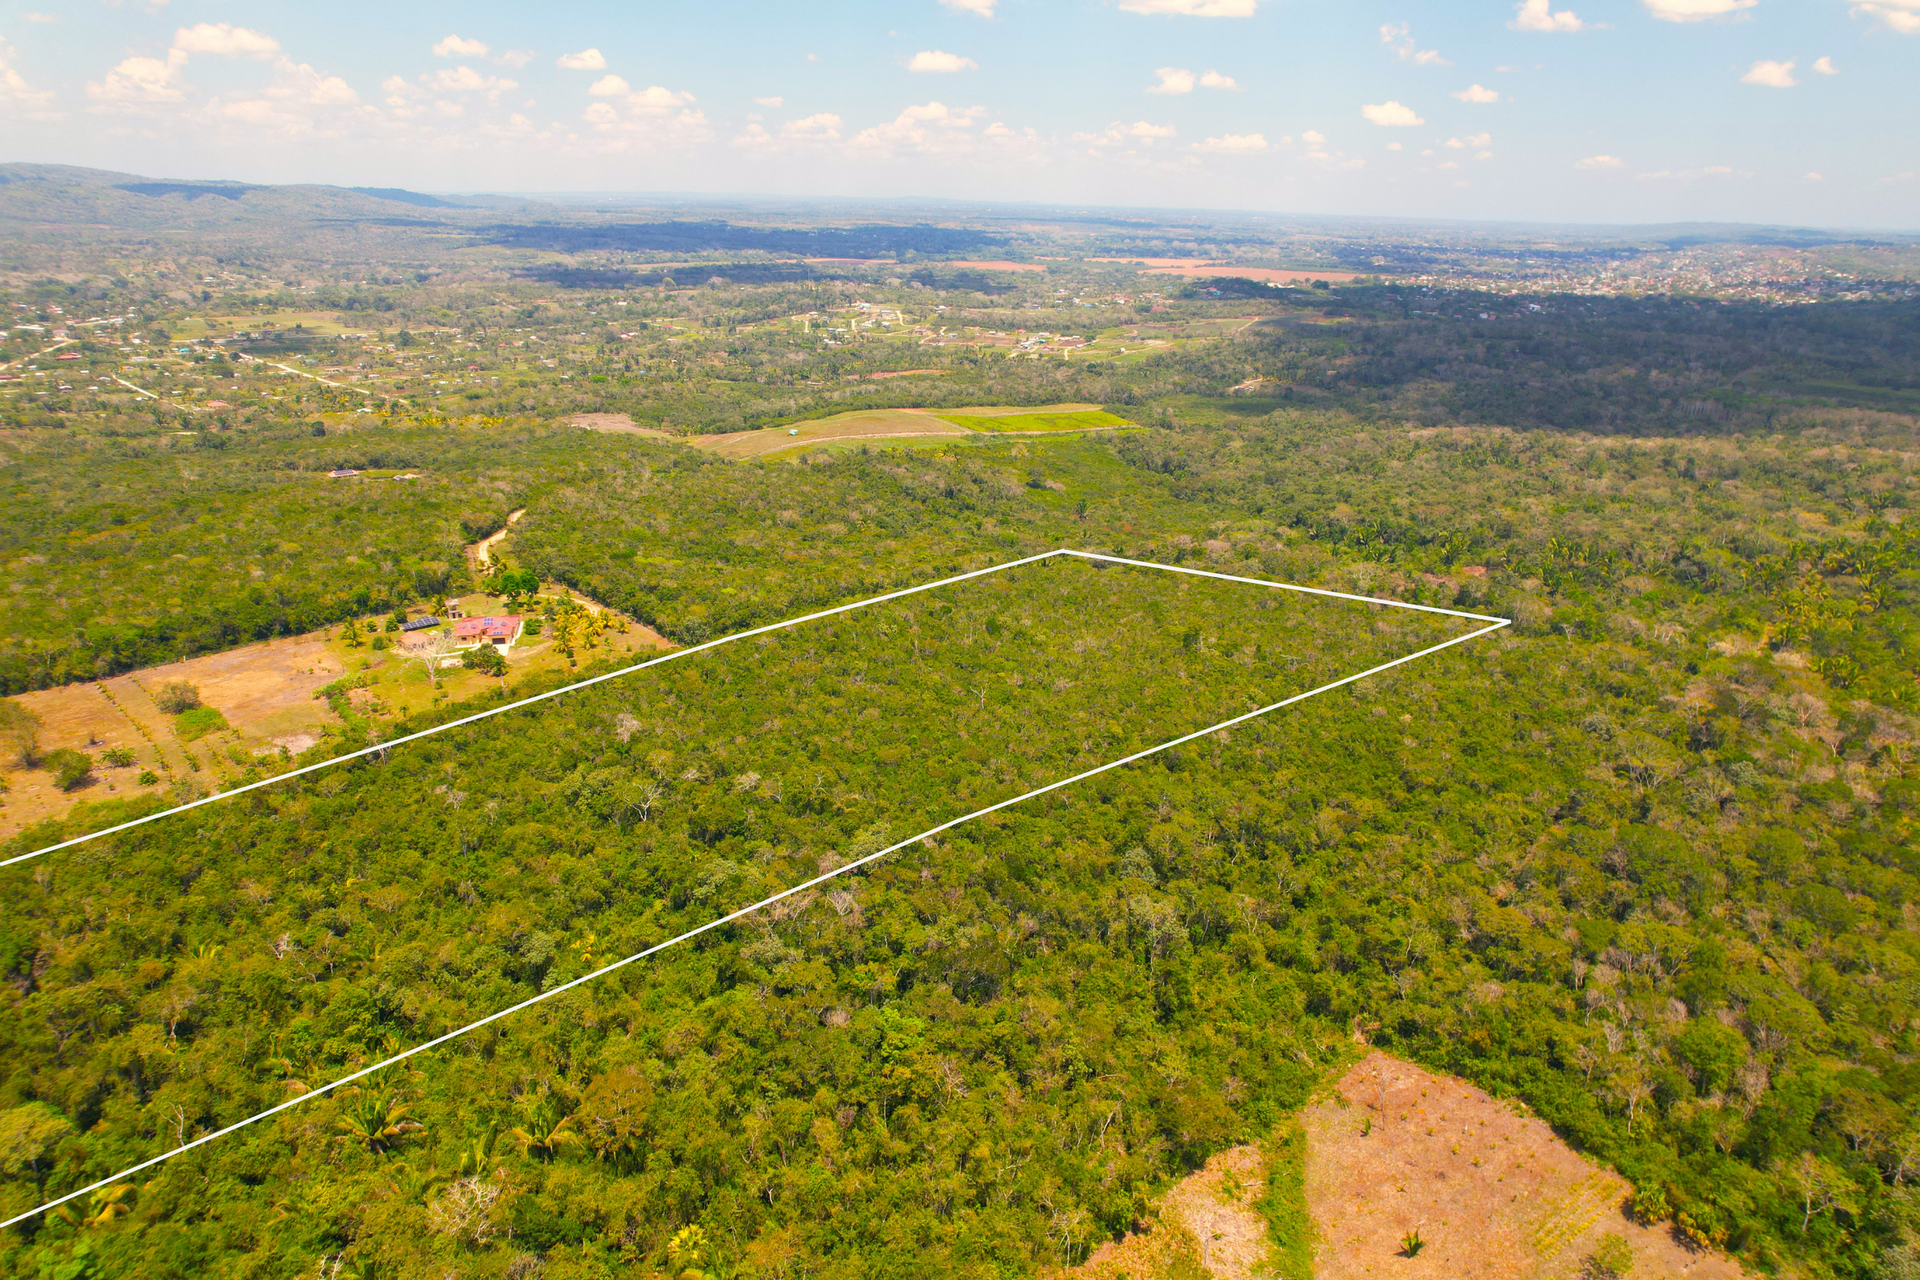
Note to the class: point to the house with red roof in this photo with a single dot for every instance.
(499, 630)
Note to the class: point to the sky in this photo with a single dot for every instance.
(1798, 112)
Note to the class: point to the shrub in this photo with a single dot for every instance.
(197, 723)
(69, 767)
(19, 734)
(118, 757)
(485, 659)
(176, 696)
(147, 778)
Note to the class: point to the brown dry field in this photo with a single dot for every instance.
(867, 424)
(1199, 1223)
(1495, 1195)
(1489, 1187)
(995, 266)
(618, 424)
(1252, 273)
(264, 690)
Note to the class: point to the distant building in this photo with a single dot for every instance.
(342, 473)
(499, 630)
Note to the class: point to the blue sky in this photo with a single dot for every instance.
(1798, 111)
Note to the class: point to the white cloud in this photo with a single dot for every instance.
(1400, 36)
(15, 93)
(655, 100)
(1825, 67)
(298, 82)
(1233, 144)
(39, 17)
(770, 102)
(823, 126)
(1774, 75)
(585, 60)
(1599, 162)
(1471, 140)
(940, 60)
(225, 40)
(1172, 80)
(1900, 15)
(464, 79)
(1695, 10)
(1391, 114)
(983, 8)
(933, 127)
(459, 47)
(609, 86)
(1476, 93)
(1214, 80)
(1148, 132)
(515, 58)
(1483, 155)
(141, 80)
(1538, 15)
(1814, 177)
(1394, 146)
(1193, 8)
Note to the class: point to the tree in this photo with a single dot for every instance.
(376, 1121)
(1818, 1186)
(485, 659)
(70, 768)
(176, 696)
(19, 733)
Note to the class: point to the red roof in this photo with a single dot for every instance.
(503, 627)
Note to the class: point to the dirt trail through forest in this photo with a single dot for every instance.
(480, 554)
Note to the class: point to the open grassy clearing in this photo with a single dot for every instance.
(272, 705)
(1072, 420)
(862, 425)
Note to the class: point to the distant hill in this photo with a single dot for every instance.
(71, 197)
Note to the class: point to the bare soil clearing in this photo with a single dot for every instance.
(618, 424)
(1000, 265)
(1492, 1191)
(868, 424)
(265, 691)
(1206, 1224)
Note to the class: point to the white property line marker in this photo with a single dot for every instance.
(714, 644)
(1496, 624)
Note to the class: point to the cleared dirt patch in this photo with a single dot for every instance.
(1206, 1224)
(618, 424)
(265, 692)
(1000, 265)
(869, 424)
(1492, 1191)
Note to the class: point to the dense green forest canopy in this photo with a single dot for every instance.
(1644, 859)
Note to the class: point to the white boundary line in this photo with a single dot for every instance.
(714, 644)
(765, 902)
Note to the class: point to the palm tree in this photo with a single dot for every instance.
(377, 1121)
(545, 1130)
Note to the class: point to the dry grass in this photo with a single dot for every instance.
(618, 424)
(1492, 1191)
(1204, 1226)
